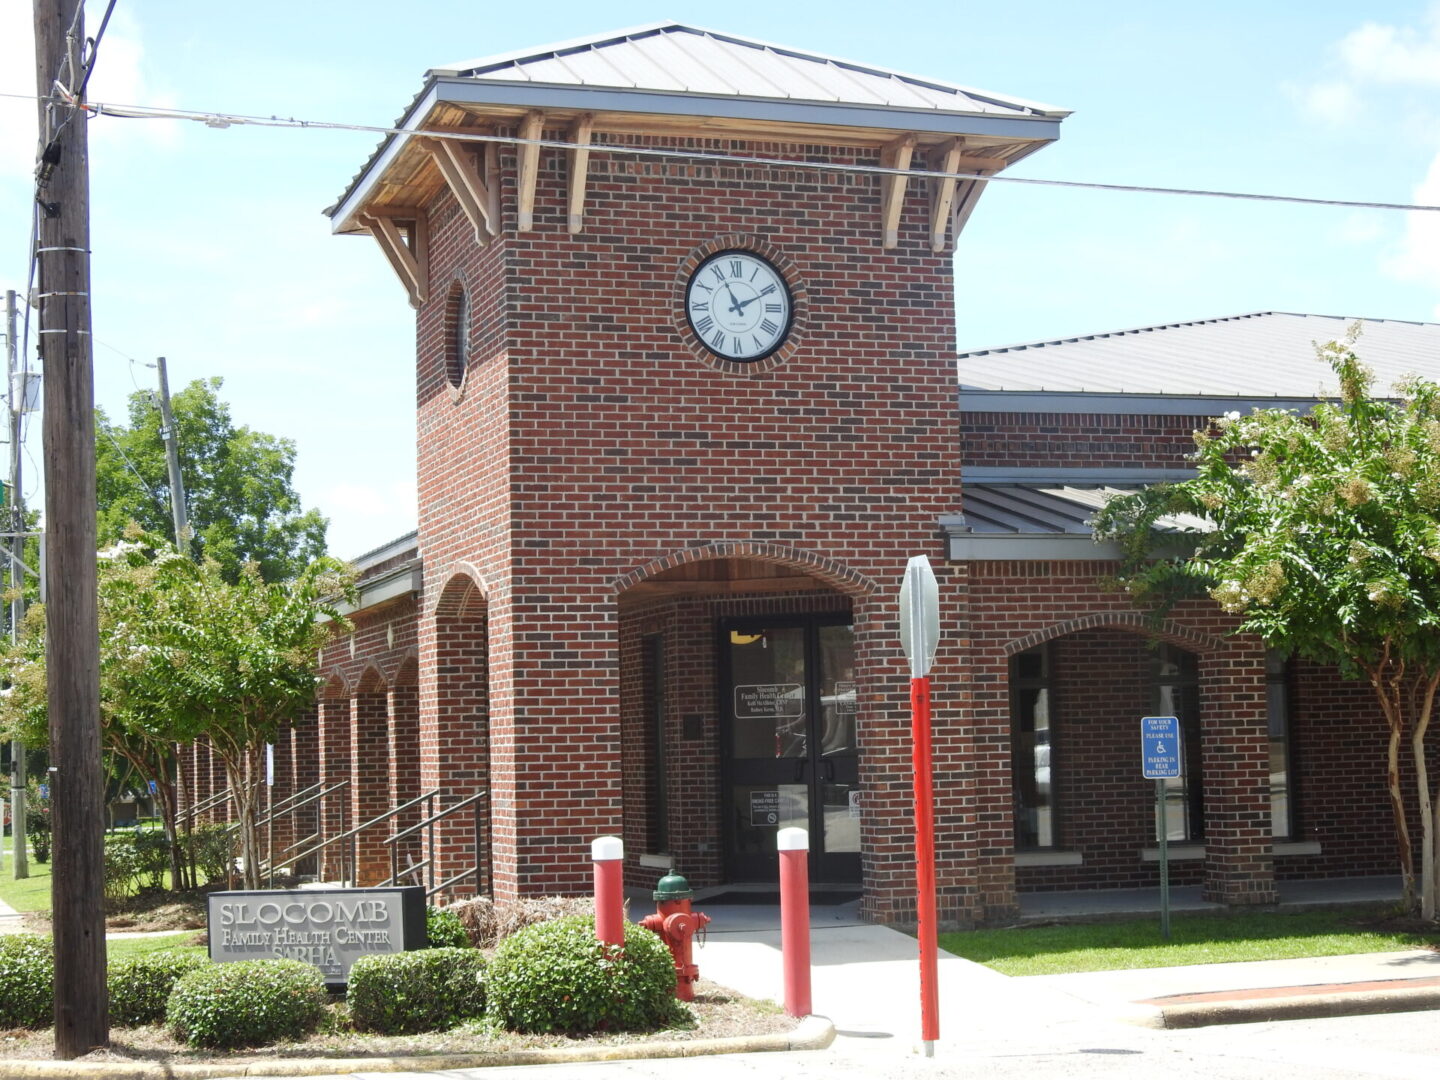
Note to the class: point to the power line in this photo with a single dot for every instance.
(225, 120)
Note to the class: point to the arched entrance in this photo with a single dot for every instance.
(740, 714)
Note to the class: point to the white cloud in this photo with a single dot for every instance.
(1418, 259)
(1396, 55)
(1362, 228)
(120, 77)
(1326, 102)
(17, 76)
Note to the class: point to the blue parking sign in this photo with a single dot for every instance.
(1160, 747)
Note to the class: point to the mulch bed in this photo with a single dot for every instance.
(719, 1013)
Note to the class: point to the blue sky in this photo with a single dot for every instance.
(210, 247)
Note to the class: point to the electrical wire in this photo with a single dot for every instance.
(225, 120)
(95, 49)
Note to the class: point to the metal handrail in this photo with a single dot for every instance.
(302, 798)
(192, 812)
(273, 866)
(428, 863)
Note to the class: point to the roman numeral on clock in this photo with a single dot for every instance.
(703, 326)
(769, 326)
(736, 269)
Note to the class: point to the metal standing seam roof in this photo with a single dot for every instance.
(1050, 508)
(672, 57)
(1263, 354)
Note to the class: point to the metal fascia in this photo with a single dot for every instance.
(1029, 547)
(462, 91)
(1116, 403)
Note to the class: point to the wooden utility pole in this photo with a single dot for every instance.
(72, 639)
(21, 865)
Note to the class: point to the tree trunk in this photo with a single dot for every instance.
(1392, 706)
(1427, 815)
(243, 770)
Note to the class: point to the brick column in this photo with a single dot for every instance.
(1235, 753)
(334, 766)
(453, 726)
(404, 773)
(370, 785)
(305, 772)
(555, 737)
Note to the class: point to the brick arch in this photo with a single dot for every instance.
(1133, 621)
(407, 672)
(464, 594)
(334, 686)
(836, 574)
(371, 681)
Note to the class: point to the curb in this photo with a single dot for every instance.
(1297, 1007)
(812, 1033)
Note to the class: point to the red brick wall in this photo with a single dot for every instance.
(1065, 440)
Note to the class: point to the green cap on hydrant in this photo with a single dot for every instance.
(672, 887)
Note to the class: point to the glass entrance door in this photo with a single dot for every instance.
(788, 695)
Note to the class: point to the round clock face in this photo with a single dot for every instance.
(738, 305)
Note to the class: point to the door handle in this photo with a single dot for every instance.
(799, 770)
(829, 767)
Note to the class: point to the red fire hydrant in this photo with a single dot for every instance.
(677, 925)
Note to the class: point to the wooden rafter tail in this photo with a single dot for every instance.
(896, 155)
(942, 159)
(530, 128)
(407, 251)
(581, 132)
(472, 191)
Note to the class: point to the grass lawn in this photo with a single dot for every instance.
(123, 948)
(31, 894)
(1194, 939)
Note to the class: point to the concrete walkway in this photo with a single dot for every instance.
(866, 978)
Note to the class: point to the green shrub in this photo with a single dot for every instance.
(556, 977)
(140, 985)
(247, 1003)
(122, 866)
(410, 992)
(27, 981)
(444, 930)
(210, 849)
(152, 850)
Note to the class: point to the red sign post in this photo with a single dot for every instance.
(919, 634)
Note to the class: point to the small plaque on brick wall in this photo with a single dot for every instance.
(692, 728)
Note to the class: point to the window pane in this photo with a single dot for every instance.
(1032, 754)
(1277, 704)
(768, 674)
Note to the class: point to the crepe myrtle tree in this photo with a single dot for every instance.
(239, 661)
(187, 653)
(1321, 532)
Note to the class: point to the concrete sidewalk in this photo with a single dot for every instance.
(866, 978)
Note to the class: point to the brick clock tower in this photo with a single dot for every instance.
(686, 404)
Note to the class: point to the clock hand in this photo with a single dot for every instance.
(735, 304)
(743, 304)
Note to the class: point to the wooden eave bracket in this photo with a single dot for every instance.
(478, 196)
(581, 132)
(895, 155)
(951, 194)
(404, 237)
(530, 128)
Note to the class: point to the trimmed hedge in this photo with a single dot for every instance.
(247, 1003)
(140, 986)
(410, 992)
(27, 981)
(556, 977)
(444, 930)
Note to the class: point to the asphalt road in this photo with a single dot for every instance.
(1400, 1046)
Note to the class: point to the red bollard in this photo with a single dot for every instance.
(608, 854)
(794, 848)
